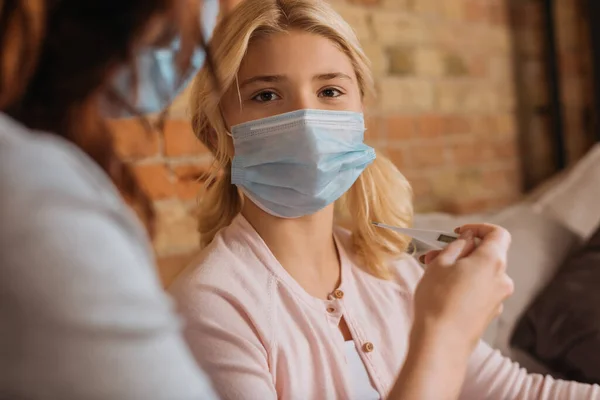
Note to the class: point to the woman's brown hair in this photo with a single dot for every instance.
(57, 58)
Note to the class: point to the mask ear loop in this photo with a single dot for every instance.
(227, 130)
(237, 88)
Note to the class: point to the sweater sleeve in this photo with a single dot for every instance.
(493, 376)
(227, 341)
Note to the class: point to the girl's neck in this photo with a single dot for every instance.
(304, 246)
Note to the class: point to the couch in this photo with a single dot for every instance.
(546, 227)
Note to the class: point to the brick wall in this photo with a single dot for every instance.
(445, 114)
(168, 165)
(445, 106)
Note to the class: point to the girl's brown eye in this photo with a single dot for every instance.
(330, 92)
(264, 97)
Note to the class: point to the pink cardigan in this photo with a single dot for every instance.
(259, 335)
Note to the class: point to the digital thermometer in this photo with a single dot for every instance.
(435, 239)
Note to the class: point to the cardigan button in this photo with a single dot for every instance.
(368, 347)
(338, 294)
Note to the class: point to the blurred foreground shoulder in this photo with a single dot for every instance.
(84, 315)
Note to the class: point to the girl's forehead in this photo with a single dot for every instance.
(294, 53)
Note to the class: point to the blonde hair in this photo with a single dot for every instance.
(380, 194)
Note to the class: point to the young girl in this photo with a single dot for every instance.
(296, 294)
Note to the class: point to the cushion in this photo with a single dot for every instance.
(574, 200)
(539, 246)
(562, 326)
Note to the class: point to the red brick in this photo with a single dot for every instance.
(478, 66)
(483, 126)
(501, 144)
(506, 125)
(180, 139)
(457, 125)
(504, 150)
(374, 127)
(470, 153)
(401, 61)
(455, 65)
(190, 180)
(400, 127)
(155, 180)
(430, 126)
(428, 155)
(477, 11)
(132, 139)
(396, 156)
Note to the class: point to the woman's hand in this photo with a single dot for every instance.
(464, 285)
(460, 293)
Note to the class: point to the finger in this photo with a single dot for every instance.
(490, 254)
(470, 246)
(467, 249)
(488, 232)
(430, 256)
(493, 248)
(450, 254)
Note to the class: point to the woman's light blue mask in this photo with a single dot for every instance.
(297, 163)
(159, 78)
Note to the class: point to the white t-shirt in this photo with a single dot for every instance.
(362, 387)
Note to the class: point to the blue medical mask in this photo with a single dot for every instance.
(297, 163)
(159, 78)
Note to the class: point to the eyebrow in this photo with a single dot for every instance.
(278, 78)
(331, 76)
(262, 78)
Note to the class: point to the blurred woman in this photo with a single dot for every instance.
(83, 313)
